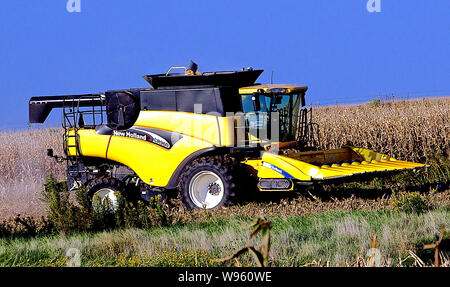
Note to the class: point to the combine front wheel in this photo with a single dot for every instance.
(206, 184)
(105, 193)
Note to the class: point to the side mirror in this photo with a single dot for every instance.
(57, 158)
(256, 103)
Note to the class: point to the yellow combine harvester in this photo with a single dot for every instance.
(206, 135)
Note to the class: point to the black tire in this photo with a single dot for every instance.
(214, 166)
(104, 183)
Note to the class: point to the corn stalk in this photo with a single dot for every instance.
(261, 256)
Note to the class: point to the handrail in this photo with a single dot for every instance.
(171, 68)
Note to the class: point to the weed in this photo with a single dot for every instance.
(410, 202)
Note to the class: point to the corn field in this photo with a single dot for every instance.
(408, 130)
(23, 167)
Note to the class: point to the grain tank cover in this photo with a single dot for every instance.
(225, 78)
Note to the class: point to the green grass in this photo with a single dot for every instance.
(337, 237)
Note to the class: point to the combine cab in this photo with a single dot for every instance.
(202, 134)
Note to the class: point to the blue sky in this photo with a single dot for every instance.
(336, 47)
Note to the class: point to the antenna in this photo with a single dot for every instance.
(271, 79)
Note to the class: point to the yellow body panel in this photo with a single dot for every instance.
(90, 143)
(263, 172)
(152, 163)
(211, 129)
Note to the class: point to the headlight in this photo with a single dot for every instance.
(274, 184)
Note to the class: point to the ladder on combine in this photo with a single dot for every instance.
(75, 112)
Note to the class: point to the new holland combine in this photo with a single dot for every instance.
(210, 136)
